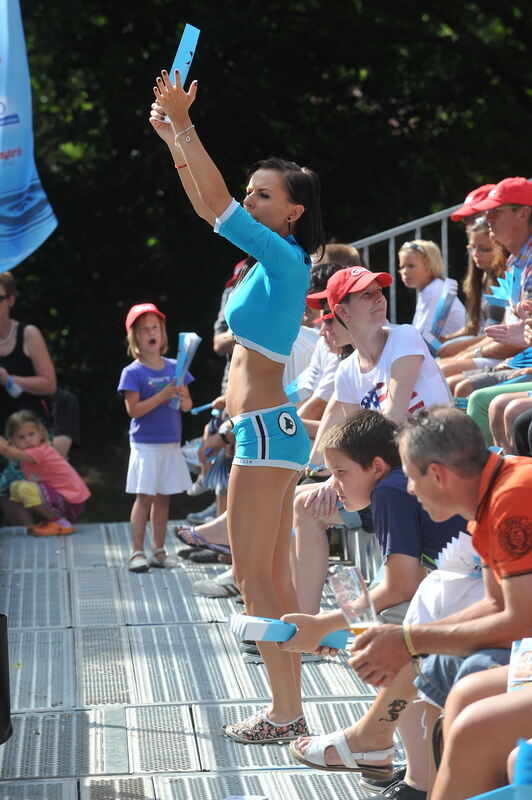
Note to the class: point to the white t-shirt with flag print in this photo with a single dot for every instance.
(370, 389)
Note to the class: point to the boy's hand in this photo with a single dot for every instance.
(322, 500)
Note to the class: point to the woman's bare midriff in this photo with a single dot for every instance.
(254, 382)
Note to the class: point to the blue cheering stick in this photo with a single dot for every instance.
(187, 345)
(185, 54)
(199, 409)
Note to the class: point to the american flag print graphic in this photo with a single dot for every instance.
(375, 398)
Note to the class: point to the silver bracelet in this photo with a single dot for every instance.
(185, 130)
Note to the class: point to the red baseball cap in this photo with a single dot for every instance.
(516, 191)
(470, 203)
(236, 272)
(353, 279)
(137, 311)
(345, 281)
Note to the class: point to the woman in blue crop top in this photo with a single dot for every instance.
(278, 225)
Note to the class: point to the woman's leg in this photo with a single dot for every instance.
(479, 402)
(514, 410)
(478, 743)
(139, 517)
(15, 513)
(159, 520)
(215, 531)
(462, 387)
(455, 366)
(523, 433)
(454, 380)
(259, 507)
(496, 414)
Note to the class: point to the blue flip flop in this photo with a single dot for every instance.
(194, 539)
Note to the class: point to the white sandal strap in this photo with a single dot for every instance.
(315, 751)
(136, 553)
(158, 550)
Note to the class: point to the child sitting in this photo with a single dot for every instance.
(422, 268)
(53, 492)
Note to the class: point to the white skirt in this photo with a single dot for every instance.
(157, 469)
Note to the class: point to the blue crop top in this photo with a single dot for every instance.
(265, 310)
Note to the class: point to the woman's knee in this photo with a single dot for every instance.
(463, 388)
(497, 407)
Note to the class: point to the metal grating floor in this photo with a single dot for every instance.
(120, 683)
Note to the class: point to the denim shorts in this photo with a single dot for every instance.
(271, 437)
(441, 672)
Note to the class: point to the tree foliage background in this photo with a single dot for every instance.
(402, 107)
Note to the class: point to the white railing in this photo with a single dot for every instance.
(413, 228)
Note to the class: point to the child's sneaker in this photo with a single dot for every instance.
(52, 528)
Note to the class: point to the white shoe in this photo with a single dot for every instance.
(198, 517)
(164, 563)
(198, 487)
(137, 562)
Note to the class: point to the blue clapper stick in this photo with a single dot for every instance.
(185, 54)
(187, 344)
(199, 409)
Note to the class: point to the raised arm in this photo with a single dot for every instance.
(166, 132)
(206, 177)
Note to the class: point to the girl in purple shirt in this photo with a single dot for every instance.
(157, 467)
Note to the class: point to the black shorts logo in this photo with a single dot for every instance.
(287, 423)
(515, 536)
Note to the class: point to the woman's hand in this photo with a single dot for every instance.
(173, 100)
(162, 128)
(507, 334)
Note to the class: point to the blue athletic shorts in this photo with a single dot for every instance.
(271, 437)
(440, 673)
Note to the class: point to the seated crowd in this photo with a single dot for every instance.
(400, 431)
(439, 627)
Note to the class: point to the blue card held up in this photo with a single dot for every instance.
(185, 52)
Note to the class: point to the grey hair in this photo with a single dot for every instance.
(444, 435)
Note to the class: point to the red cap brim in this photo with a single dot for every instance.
(319, 320)
(316, 299)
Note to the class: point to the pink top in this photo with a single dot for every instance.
(51, 468)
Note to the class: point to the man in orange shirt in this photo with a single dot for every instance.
(450, 471)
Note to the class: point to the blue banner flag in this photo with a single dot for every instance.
(26, 217)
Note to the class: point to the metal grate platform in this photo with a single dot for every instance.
(121, 682)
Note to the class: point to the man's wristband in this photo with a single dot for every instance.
(407, 636)
(409, 644)
(223, 437)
